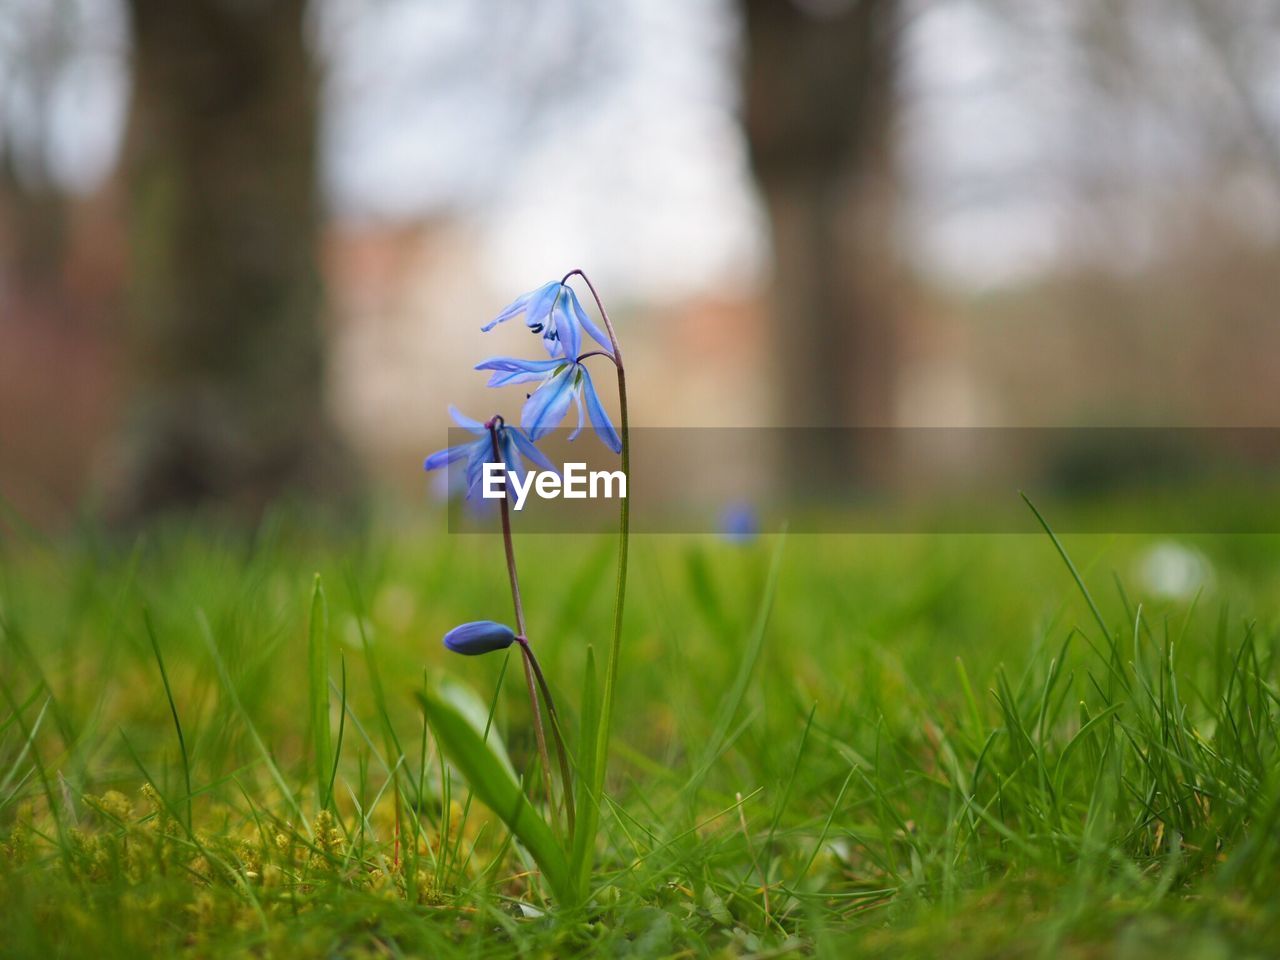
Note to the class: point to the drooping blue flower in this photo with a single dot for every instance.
(553, 310)
(512, 443)
(561, 382)
(479, 636)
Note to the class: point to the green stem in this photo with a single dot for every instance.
(539, 735)
(562, 754)
(620, 595)
(624, 528)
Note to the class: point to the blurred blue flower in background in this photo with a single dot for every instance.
(553, 310)
(512, 443)
(739, 523)
(479, 636)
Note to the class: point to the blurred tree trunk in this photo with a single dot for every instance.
(224, 227)
(33, 242)
(819, 105)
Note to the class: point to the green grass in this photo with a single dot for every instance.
(907, 746)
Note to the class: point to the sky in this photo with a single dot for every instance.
(607, 133)
(638, 161)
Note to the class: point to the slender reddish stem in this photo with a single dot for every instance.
(541, 737)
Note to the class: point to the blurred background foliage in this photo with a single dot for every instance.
(245, 247)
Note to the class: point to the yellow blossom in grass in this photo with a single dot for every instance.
(428, 895)
(250, 856)
(115, 805)
(17, 847)
(328, 842)
(152, 796)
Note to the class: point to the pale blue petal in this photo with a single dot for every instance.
(599, 419)
(509, 370)
(513, 309)
(507, 379)
(538, 312)
(588, 324)
(481, 453)
(566, 326)
(546, 407)
(462, 420)
(510, 455)
(577, 399)
(526, 446)
(443, 458)
(518, 363)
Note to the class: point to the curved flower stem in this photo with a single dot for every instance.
(624, 529)
(538, 732)
(562, 754)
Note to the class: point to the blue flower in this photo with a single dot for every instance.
(561, 382)
(553, 310)
(739, 523)
(512, 442)
(479, 636)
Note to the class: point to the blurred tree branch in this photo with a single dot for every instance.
(1220, 36)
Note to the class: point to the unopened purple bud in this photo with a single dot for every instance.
(479, 636)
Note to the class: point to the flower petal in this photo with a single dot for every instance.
(513, 309)
(518, 363)
(479, 636)
(507, 379)
(538, 311)
(547, 405)
(588, 324)
(599, 419)
(481, 453)
(462, 420)
(509, 370)
(445, 457)
(566, 325)
(577, 399)
(510, 455)
(525, 446)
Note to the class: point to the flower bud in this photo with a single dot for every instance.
(479, 636)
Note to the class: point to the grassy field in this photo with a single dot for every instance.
(881, 746)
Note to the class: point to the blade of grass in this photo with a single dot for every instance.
(206, 632)
(318, 689)
(173, 710)
(584, 834)
(737, 691)
(1075, 574)
(495, 784)
(342, 725)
